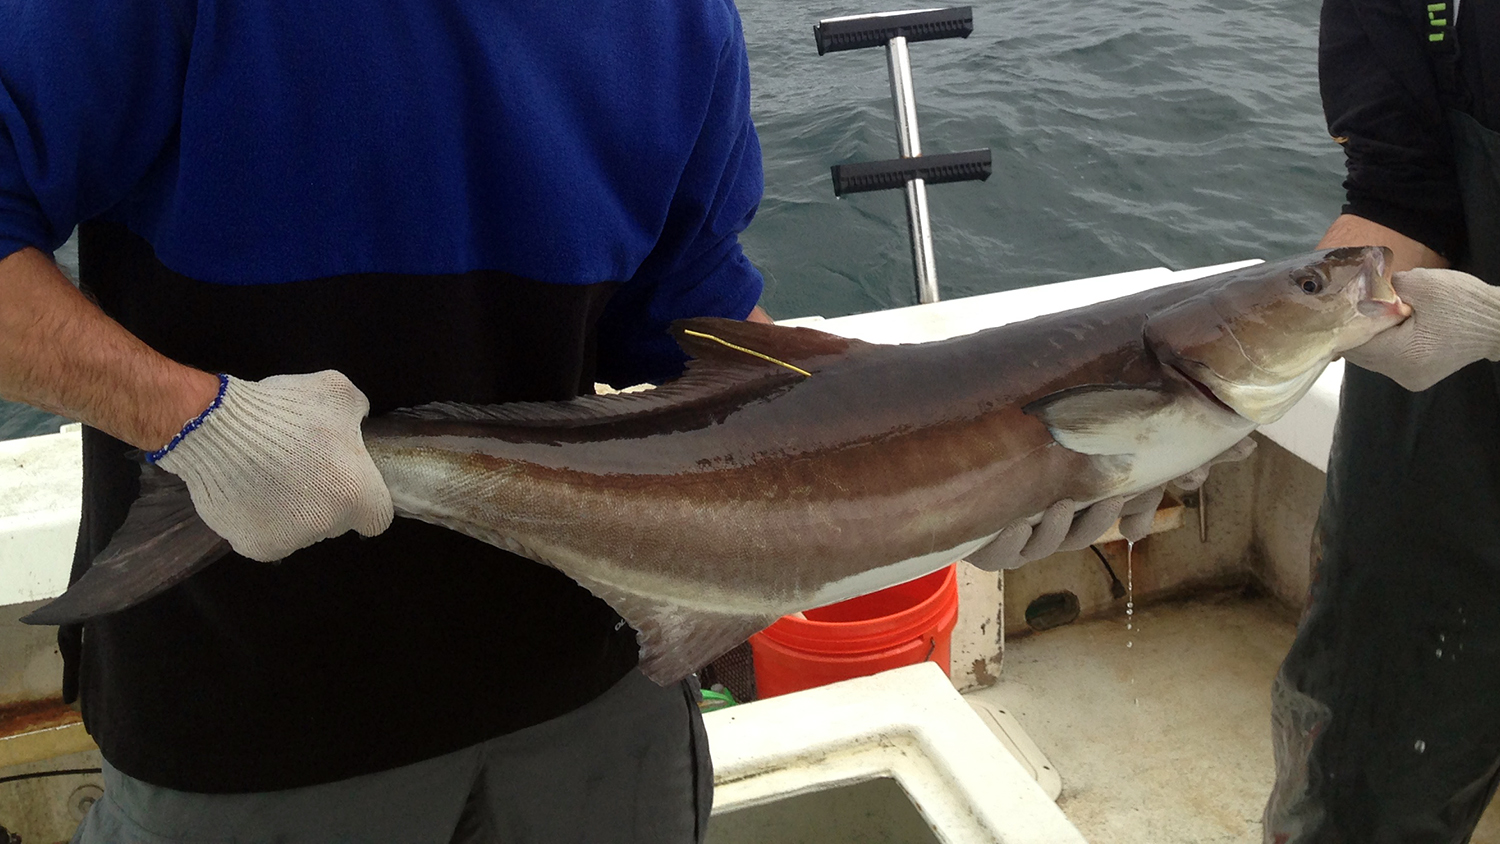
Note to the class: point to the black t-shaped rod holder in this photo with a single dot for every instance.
(894, 30)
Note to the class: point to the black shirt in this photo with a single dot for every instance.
(354, 655)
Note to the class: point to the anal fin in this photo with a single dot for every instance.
(675, 639)
(675, 643)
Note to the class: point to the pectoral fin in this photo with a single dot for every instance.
(1106, 420)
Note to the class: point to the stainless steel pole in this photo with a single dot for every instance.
(909, 144)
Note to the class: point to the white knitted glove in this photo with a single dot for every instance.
(276, 465)
(1061, 529)
(1455, 321)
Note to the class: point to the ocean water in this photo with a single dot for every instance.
(1136, 134)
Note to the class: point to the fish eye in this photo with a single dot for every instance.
(1310, 282)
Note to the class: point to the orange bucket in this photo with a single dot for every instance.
(903, 625)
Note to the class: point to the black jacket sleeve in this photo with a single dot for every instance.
(1384, 101)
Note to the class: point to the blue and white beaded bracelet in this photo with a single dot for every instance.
(194, 424)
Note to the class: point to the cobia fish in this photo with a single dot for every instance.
(790, 468)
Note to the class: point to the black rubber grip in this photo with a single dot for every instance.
(971, 165)
(853, 33)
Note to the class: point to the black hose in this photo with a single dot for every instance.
(66, 772)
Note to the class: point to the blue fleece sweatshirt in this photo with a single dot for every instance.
(265, 142)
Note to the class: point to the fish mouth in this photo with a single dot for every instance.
(1395, 309)
(1379, 299)
(1174, 364)
(1201, 387)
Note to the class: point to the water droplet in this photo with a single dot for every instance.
(1421, 746)
(1440, 653)
(1442, 637)
(1129, 626)
(1130, 644)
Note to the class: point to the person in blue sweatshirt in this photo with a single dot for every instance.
(468, 201)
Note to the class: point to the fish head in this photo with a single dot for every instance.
(1255, 339)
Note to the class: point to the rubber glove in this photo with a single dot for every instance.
(276, 465)
(1062, 527)
(1455, 321)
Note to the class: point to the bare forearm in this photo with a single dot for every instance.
(59, 352)
(1349, 230)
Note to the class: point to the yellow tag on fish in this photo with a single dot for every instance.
(767, 358)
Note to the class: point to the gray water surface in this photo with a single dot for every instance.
(1125, 135)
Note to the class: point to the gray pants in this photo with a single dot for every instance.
(631, 767)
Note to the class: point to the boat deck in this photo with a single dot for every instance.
(1167, 741)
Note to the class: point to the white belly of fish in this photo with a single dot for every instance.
(880, 578)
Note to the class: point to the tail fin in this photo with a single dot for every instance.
(161, 544)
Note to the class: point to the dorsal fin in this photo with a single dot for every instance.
(730, 358)
(697, 387)
(712, 340)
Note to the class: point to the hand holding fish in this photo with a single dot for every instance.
(1062, 529)
(276, 465)
(1455, 321)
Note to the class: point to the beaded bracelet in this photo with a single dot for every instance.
(194, 424)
